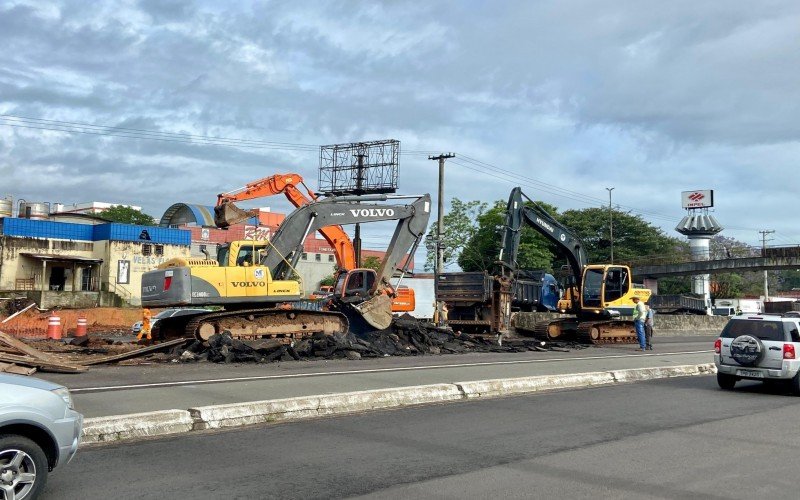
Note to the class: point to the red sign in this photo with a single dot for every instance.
(701, 198)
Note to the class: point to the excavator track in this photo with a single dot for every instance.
(557, 329)
(277, 323)
(587, 332)
(607, 332)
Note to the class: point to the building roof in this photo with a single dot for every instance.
(61, 258)
(180, 214)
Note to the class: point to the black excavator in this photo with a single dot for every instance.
(598, 296)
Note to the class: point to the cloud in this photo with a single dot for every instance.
(568, 97)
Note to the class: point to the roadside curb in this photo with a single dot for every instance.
(172, 422)
(136, 425)
(238, 414)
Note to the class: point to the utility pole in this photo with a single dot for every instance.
(359, 191)
(439, 221)
(610, 223)
(764, 241)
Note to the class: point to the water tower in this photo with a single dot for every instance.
(699, 227)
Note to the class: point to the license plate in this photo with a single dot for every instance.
(749, 373)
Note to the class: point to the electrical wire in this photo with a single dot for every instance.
(462, 160)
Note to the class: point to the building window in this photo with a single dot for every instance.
(159, 250)
(304, 256)
(318, 257)
(330, 258)
(147, 249)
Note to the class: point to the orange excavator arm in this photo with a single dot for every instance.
(226, 213)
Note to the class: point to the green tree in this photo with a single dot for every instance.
(127, 215)
(788, 279)
(328, 280)
(483, 248)
(458, 226)
(371, 262)
(675, 285)
(635, 240)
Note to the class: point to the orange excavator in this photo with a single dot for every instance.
(226, 213)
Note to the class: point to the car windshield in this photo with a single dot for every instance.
(762, 329)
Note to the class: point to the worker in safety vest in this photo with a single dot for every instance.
(146, 315)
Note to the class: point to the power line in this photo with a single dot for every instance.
(464, 161)
(132, 133)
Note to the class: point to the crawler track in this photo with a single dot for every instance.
(606, 332)
(288, 324)
(588, 332)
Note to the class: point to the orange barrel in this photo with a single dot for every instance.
(54, 327)
(81, 328)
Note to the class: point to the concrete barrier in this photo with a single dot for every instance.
(639, 374)
(524, 385)
(169, 422)
(257, 412)
(136, 425)
(668, 325)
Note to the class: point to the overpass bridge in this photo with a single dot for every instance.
(693, 268)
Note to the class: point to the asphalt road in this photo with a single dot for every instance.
(672, 438)
(116, 390)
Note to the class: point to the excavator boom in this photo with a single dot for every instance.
(226, 213)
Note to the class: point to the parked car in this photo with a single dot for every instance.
(166, 313)
(39, 430)
(759, 347)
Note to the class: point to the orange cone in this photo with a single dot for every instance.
(54, 329)
(82, 326)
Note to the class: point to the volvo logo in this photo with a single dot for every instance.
(373, 212)
(247, 284)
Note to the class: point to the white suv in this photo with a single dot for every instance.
(759, 347)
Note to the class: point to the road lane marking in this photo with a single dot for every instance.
(368, 370)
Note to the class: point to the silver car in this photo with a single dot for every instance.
(759, 347)
(166, 313)
(39, 430)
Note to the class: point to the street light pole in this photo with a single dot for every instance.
(610, 223)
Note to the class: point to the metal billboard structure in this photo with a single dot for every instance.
(359, 168)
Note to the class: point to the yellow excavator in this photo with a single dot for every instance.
(226, 213)
(263, 299)
(598, 296)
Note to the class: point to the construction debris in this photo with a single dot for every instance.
(405, 337)
(135, 353)
(16, 352)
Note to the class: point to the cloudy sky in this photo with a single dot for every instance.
(565, 98)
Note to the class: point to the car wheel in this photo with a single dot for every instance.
(747, 350)
(795, 384)
(23, 467)
(725, 381)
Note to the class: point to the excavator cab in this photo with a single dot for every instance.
(356, 283)
(607, 286)
(244, 253)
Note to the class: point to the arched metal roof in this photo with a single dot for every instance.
(187, 213)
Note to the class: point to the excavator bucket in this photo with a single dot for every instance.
(228, 214)
(377, 311)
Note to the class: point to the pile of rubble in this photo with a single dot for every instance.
(406, 337)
